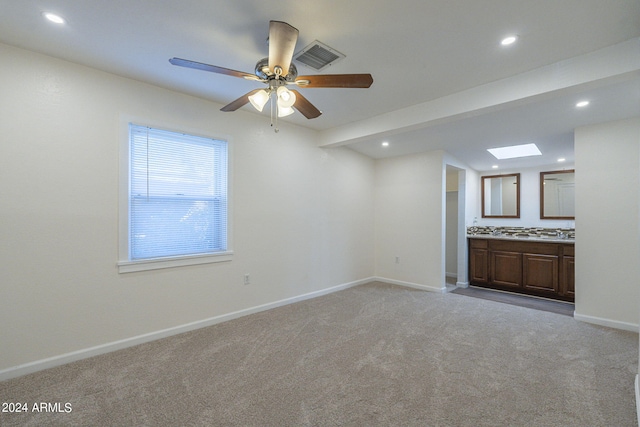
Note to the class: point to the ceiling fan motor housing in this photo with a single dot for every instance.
(262, 71)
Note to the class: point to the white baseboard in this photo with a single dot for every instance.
(442, 289)
(637, 399)
(63, 359)
(633, 327)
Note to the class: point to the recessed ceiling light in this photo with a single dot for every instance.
(494, 166)
(385, 144)
(582, 104)
(561, 160)
(54, 18)
(509, 40)
(514, 151)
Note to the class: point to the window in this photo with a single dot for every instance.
(177, 199)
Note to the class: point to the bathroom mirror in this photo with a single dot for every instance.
(557, 195)
(501, 196)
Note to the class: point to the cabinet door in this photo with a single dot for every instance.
(506, 269)
(540, 272)
(479, 264)
(568, 276)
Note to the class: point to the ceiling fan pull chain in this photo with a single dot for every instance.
(274, 105)
(271, 108)
(274, 102)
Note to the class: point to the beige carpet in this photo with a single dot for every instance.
(373, 355)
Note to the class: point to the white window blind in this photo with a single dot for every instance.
(177, 194)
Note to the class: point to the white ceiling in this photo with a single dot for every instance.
(418, 52)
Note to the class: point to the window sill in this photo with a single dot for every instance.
(157, 263)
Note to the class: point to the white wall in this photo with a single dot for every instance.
(607, 199)
(302, 215)
(409, 218)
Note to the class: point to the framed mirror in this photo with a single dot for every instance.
(557, 194)
(501, 196)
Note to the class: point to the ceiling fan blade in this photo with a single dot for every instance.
(306, 108)
(212, 68)
(244, 99)
(335, 80)
(282, 43)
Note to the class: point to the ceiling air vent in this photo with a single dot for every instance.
(318, 56)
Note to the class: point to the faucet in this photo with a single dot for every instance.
(474, 229)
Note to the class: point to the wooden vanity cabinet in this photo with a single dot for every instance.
(530, 267)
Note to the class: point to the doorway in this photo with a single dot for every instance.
(455, 230)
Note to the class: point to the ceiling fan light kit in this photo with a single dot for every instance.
(277, 71)
(286, 98)
(259, 99)
(285, 111)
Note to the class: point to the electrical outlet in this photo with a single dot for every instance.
(397, 260)
(247, 279)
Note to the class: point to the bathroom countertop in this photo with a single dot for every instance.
(551, 239)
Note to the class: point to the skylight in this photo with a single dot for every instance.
(515, 151)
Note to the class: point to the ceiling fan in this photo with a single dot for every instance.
(277, 72)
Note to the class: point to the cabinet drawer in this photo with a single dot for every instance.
(478, 244)
(525, 246)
